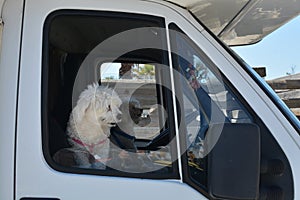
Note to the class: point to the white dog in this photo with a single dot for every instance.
(96, 111)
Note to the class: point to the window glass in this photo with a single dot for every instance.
(206, 99)
(137, 81)
(105, 109)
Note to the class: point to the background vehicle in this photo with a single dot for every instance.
(218, 131)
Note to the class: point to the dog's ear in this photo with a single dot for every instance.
(84, 102)
(80, 109)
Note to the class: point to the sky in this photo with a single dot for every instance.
(279, 52)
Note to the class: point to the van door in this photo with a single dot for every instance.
(69, 47)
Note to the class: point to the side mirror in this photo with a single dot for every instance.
(234, 161)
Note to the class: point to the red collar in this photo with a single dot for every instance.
(89, 146)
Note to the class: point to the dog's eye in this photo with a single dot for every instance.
(109, 108)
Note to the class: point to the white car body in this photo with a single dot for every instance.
(24, 171)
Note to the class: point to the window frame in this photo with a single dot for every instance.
(167, 96)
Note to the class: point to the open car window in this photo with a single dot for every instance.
(105, 109)
(135, 83)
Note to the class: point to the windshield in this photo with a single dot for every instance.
(276, 59)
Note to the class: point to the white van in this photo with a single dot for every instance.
(208, 127)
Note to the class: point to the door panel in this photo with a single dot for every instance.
(35, 176)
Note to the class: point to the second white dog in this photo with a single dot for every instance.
(96, 111)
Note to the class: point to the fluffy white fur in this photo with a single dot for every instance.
(96, 111)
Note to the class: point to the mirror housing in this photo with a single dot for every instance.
(234, 161)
